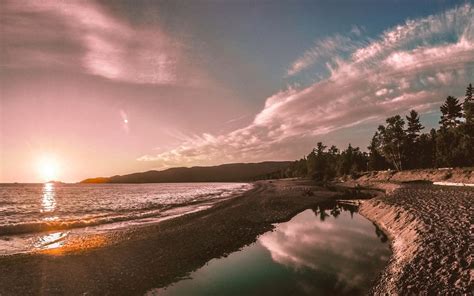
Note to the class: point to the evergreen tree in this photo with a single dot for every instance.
(321, 164)
(468, 105)
(412, 146)
(320, 148)
(433, 134)
(346, 161)
(424, 155)
(451, 111)
(393, 146)
(447, 148)
(414, 126)
(333, 151)
(311, 164)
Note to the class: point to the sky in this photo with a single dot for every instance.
(100, 88)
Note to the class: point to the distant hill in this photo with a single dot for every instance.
(96, 180)
(234, 172)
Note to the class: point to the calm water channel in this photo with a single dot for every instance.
(329, 250)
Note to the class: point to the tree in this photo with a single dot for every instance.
(411, 146)
(346, 161)
(433, 145)
(320, 148)
(333, 151)
(399, 146)
(448, 149)
(451, 111)
(425, 147)
(468, 105)
(311, 164)
(321, 164)
(316, 163)
(392, 139)
(414, 126)
(376, 160)
(352, 161)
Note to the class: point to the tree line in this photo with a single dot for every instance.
(399, 144)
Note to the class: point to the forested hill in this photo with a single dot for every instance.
(223, 173)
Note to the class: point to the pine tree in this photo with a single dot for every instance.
(468, 105)
(411, 147)
(451, 111)
(433, 135)
(414, 126)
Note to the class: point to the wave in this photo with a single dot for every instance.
(44, 225)
(85, 216)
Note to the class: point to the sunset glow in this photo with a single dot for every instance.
(120, 90)
(167, 147)
(48, 168)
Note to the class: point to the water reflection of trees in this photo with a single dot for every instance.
(383, 238)
(334, 209)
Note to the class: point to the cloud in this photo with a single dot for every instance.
(388, 76)
(84, 36)
(327, 48)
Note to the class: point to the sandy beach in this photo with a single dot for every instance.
(428, 227)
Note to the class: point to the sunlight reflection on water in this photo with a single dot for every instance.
(48, 201)
(51, 240)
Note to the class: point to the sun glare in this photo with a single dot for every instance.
(48, 169)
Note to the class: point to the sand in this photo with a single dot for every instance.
(429, 230)
(451, 175)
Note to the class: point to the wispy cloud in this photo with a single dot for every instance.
(409, 66)
(84, 36)
(327, 49)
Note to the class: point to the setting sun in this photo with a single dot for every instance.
(48, 168)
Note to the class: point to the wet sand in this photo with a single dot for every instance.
(134, 261)
(429, 229)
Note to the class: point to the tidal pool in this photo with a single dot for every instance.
(328, 250)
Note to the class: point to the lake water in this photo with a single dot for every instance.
(31, 213)
(329, 250)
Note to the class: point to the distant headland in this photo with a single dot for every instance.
(234, 172)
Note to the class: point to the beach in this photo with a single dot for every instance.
(133, 261)
(428, 227)
(430, 232)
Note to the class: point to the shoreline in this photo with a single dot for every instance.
(134, 261)
(428, 227)
(429, 231)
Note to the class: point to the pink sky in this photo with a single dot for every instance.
(103, 95)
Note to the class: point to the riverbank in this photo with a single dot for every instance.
(136, 260)
(429, 229)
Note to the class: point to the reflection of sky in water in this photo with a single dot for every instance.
(344, 247)
(48, 201)
(305, 256)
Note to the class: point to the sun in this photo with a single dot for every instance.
(48, 168)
